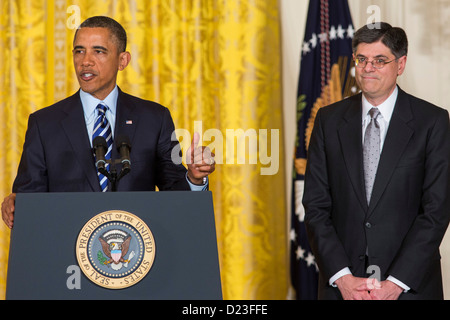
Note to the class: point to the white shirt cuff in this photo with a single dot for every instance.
(339, 274)
(399, 283)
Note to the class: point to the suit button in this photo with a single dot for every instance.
(368, 225)
(362, 257)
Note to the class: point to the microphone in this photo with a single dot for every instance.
(124, 147)
(100, 149)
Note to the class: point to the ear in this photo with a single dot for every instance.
(124, 60)
(401, 65)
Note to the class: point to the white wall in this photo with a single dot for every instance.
(427, 73)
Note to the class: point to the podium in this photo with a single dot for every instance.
(114, 245)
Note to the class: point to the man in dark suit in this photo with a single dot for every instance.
(390, 225)
(57, 154)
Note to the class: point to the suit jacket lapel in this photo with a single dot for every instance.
(350, 137)
(126, 120)
(397, 138)
(75, 130)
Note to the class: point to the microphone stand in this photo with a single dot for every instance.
(100, 147)
(112, 174)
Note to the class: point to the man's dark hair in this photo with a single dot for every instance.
(116, 29)
(392, 37)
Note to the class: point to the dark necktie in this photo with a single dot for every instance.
(371, 151)
(103, 128)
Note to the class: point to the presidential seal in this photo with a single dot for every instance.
(115, 249)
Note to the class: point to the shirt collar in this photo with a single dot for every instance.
(89, 102)
(386, 108)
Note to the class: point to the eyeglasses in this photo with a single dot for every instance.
(377, 63)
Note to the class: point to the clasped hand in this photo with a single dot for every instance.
(355, 288)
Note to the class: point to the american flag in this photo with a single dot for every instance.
(326, 64)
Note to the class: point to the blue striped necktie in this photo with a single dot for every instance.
(103, 128)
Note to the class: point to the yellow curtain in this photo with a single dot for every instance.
(216, 65)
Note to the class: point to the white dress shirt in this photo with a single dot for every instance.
(90, 104)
